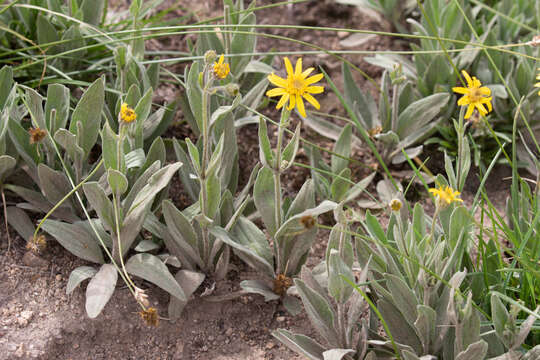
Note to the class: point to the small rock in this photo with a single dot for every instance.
(25, 317)
(20, 351)
(342, 34)
(32, 260)
(280, 318)
(229, 332)
(270, 345)
(58, 277)
(75, 346)
(211, 338)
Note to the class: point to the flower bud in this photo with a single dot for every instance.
(232, 89)
(210, 56)
(395, 205)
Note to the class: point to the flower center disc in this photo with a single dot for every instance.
(296, 86)
(475, 95)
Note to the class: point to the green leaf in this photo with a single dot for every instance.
(399, 327)
(336, 354)
(53, 184)
(194, 156)
(57, 100)
(301, 344)
(340, 186)
(319, 311)
(138, 210)
(69, 142)
(100, 290)
(338, 287)
(403, 297)
(146, 246)
(189, 282)
(259, 287)
(101, 204)
(420, 113)
(92, 11)
(264, 198)
(243, 43)
(77, 276)
(213, 191)
(6, 84)
(46, 33)
(88, 114)
(152, 269)
(343, 148)
(475, 351)
(76, 239)
(21, 222)
(112, 149)
(7, 164)
(117, 181)
(20, 139)
(266, 154)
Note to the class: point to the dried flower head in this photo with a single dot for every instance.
(127, 114)
(296, 86)
(308, 221)
(395, 205)
(446, 196)
(375, 131)
(474, 95)
(210, 56)
(36, 244)
(36, 135)
(281, 283)
(141, 297)
(221, 68)
(150, 316)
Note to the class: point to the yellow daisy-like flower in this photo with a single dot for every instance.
(538, 83)
(296, 86)
(221, 69)
(127, 114)
(475, 95)
(447, 195)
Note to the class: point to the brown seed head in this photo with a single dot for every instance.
(36, 244)
(36, 135)
(308, 221)
(150, 316)
(281, 283)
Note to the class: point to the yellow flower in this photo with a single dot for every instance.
(127, 114)
(221, 69)
(447, 195)
(295, 87)
(475, 95)
(538, 78)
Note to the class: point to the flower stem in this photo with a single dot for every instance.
(277, 183)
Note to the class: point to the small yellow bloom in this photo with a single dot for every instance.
(475, 95)
(395, 205)
(296, 86)
(221, 69)
(446, 195)
(36, 135)
(538, 78)
(127, 114)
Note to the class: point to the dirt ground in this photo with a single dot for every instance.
(38, 320)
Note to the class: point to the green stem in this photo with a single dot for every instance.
(129, 283)
(205, 160)
(277, 184)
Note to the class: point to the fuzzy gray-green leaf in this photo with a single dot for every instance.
(189, 282)
(100, 290)
(264, 198)
(152, 269)
(79, 275)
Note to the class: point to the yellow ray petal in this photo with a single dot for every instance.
(467, 78)
(288, 66)
(277, 81)
(298, 69)
(308, 71)
(282, 101)
(460, 90)
(313, 79)
(276, 92)
(469, 112)
(484, 90)
(292, 102)
(314, 89)
(464, 100)
(300, 105)
(312, 101)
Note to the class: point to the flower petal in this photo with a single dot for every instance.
(276, 92)
(308, 71)
(460, 90)
(298, 68)
(464, 100)
(313, 79)
(314, 89)
(467, 78)
(469, 112)
(277, 81)
(312, 101)
(484, 90)
(282, 101)
(288, 66)
(300, 105)
(292, 102)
